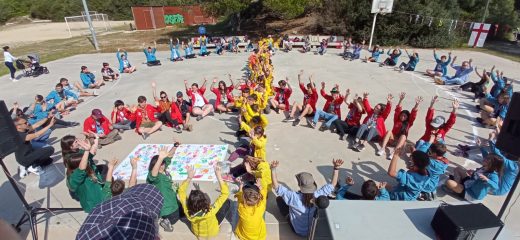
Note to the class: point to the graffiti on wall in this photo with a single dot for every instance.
(173, 19)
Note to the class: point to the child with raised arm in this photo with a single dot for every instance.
(252, 203)
(331, 110)
(124, 63)
(461, 75)
(353, 118)
(410, 182)
(298, 207)
(149, 52)
(145, 121)
(403, 121)
(281, 99)
(175, 54)
(308, 107)
(164, 105)
(205, 218)
(438, 126)
(393, 57)
(412, 62)
(115, 188)
(200, 107)
(370, 190)
(161, 179)
(374, 123)
(121, 117)
(441, 68)
(376, 52)
(225, 99)
(438, 164)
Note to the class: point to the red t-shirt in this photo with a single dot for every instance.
(353, 117)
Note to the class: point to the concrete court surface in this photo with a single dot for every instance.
(298, 148)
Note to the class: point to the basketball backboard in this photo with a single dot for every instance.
(382, 6)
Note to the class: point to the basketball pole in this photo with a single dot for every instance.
(92, 31)
(372, 32)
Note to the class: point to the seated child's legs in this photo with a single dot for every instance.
(223, 211)
(282, 206)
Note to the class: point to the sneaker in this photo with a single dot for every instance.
(390, 155)
(341, 137)
(145, 136)
(80, 100)
(311, 123)
(95, 93)
(277, 110)
(323, 127)
(380, 152)
(381, 65)
(296, 122)
(35, 170)
(355, 145)
(118, 137)
(166, 225)
(178, 129)
(199, 118)
(15, 80)
(401, 71)
(22, 171)
(360, 147)
(290, 119)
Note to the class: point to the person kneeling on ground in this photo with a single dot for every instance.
(149, 52)
(97, 125)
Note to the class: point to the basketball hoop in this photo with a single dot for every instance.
(379, 7)
(382, 11)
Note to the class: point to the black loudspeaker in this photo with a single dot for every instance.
(9, 138)
(468, 222)
(509, 136)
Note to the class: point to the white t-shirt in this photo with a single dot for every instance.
(199, 101)
(8, 57)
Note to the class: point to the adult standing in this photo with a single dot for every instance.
(8, 61)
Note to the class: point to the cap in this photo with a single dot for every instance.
(179, 94)
(97, 113)
(438, 121)
(131, 215)
(83, 67)
(306, 182)
(334, 90)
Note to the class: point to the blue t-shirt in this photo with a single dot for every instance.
(479, 189)
(300, 215)
(509, 172)
(410, 185)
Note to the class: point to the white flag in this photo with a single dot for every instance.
(479, 33)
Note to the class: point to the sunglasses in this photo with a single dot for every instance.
(164, 96)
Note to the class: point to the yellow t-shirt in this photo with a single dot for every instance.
(204, 224)
(251, 223)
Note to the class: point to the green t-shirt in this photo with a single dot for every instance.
(89, 192)
(164, 184)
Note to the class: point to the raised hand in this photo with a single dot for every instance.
(218, 170)
(347, 92)
(365, 95)
(402, 95)
(337, 163)
(274, 164)
(247, 166)
(381, 185)
(154, 84)
(134, 161)
(300, 73)
(113, 162)
(418, 100)
(322, 84)
(191, 172)
(390, 97)
(455, 104)
(434, 100)
(163, 152)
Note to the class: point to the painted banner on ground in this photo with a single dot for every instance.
(201, 156)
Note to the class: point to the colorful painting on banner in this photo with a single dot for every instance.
(201, 157)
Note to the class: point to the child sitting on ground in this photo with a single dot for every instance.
(310, 98)
(108, 73)
(376, 52)
(369, 191)
(410, 66)
(157, 176)
(441, 68)
(281, 99)
(331, 110)
(149, 52)
(374, 123)
(438, 166)
(205, 218)
(252, 203)
(393, 57)
(411, 182)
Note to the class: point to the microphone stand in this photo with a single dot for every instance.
(322, 203)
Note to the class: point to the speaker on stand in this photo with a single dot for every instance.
(9, 142)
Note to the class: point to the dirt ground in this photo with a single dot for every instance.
(22, 34)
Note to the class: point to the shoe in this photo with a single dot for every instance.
(178, 129)
(74, 124)
(390, 155)
(464, 148)
(35, 170)
(121, 130)
(118, 137)
(15, 80)
(277, 110)
(401, 71)
(311, 123)
(199, 118)
(22, 172)
(439, 81)
(190, 128)
(323, 127)
(355, 145)
(360, 147)
(480, 120)
(94, 93)
(166, 225)
(80, 100)
(145, 136)
(380, 152)
(341, 137)
(296, 122)
(381, 65)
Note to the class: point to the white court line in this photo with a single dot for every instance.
(473, 127)
(100, 94)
